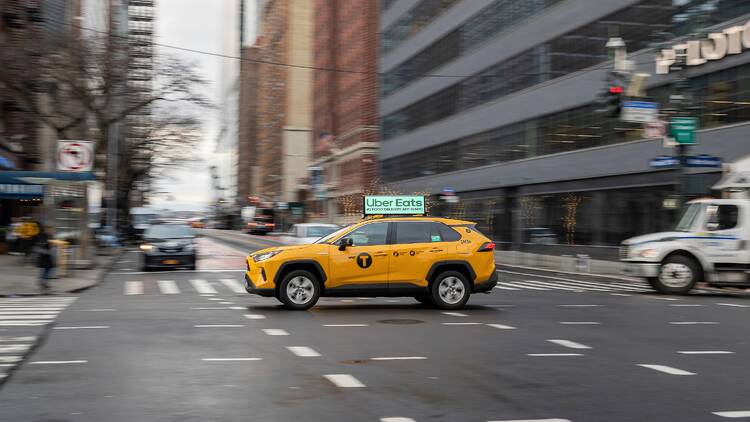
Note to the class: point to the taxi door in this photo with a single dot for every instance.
(416, 247)
(364, 264)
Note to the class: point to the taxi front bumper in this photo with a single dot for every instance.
(251, 288)
(641, 269)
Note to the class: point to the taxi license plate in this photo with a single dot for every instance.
(170, 262)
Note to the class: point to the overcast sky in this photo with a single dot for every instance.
(195, 24)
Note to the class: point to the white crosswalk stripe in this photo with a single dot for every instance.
(204, 287)
(133, 288)
(168, 287)
(233, 285)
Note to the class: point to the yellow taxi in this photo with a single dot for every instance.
(438, 261)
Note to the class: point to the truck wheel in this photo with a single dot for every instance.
(450, 290)
(299, 290)
(677, 275)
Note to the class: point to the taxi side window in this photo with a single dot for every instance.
(447, 234)
(722, 217)
(369, 235)
(413, 232)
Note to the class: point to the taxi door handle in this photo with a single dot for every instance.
(380, 253)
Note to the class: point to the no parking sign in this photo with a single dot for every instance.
(75, 155)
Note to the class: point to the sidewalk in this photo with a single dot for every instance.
(22, 280)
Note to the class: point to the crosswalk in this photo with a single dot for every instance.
(234, 286)
(21, 322)
(541, 283)
(175, 287)
(33, 311)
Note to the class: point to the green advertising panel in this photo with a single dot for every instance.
(682, 129)
(389, 205)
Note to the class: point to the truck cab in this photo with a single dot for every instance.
(709, 244)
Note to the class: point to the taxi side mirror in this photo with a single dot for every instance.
(343, 243)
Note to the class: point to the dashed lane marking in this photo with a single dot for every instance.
(255, 316)
(580, 306)
(97, 310)
(303, 351)
(229, 359)
(666, 369)
(502, 326)
(133, 288)
(396, 419)
(620, 294)
(685, 305)
(57, 362)
(705, 352)
(461, 323)
(400, 358)
(553, 354)
(734, 414)
(218, 326)
(202, 286)
(579, 323)
(456, 314)
(569, 344)
(535, 420)
(275, 332)
(736, 305)
(345, 325)
(344, 381)
(694, 323)
(168, 287)
(83, 327)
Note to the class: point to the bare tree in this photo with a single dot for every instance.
(81, 84)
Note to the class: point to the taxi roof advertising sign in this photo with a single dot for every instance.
(394, 205)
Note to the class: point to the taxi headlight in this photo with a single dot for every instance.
(146, 247)
(648, 253)
(265, 255)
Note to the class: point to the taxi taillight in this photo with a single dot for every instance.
(487, 247)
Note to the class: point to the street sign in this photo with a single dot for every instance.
(655, 130)
(75, 155)
(403, 205)
(703, 160)
(682, 129)
(639, 111)
(663, 161)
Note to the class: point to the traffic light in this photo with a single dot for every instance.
(613, 103)
(610, 99)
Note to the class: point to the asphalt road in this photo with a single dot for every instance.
(191, 346)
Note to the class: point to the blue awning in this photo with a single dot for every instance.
(30, 184)
(24, 177)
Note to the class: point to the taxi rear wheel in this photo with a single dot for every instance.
(299, 290)
(450, 290)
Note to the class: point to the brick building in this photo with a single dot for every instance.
(284, 96)
(247, 184)
(345, 105)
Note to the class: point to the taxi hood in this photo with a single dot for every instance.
(280, 248)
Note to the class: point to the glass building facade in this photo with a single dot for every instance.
(567, 212)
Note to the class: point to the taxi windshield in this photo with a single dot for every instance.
(333, 235)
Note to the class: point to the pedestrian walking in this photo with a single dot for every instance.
(45, 258)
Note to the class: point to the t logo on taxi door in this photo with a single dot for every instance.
(364, 260)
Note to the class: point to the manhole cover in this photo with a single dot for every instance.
(400, 321)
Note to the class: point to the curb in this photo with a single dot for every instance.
(105, 268)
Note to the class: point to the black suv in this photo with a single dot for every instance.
(168, 246)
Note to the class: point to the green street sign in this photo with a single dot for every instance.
(682, 129)
(401, 205)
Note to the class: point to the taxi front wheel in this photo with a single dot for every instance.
(450, 290)
(299, 290)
